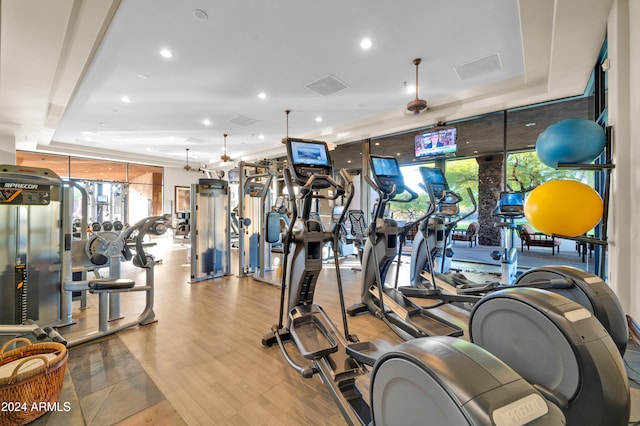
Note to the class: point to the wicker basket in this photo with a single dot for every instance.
(29, 394)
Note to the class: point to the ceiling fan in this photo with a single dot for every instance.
(417, 105)
(225, 157)
(187, 167)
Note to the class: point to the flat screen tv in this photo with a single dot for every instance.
(309, 153)
(436, 143)
(385, 166)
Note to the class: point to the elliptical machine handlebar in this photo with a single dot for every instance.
(392, 193)
(308, 187)
(306, 193)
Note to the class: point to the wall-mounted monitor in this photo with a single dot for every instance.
(309, 153)
(436, 143)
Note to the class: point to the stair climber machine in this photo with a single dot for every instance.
(556, 344)
(582, 287)
(433, 381)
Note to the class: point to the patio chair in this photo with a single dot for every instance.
(530, 238)
(470, 234)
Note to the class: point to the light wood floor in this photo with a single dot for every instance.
(205, 354)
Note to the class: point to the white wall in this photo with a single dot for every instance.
(7, 150)
(624, 110)
(177, 177)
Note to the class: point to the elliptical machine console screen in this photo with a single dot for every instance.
(309, 153)
(434, 177)
(386, 173)
(308, 157)
(385, 166)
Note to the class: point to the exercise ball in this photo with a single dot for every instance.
(572, 141)
(563, 207)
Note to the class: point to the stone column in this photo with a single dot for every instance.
(489, 187)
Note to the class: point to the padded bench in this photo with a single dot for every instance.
(105, 284)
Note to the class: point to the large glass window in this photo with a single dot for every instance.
(89, 168)
(59, 164)
(117, 190)
(525, 171)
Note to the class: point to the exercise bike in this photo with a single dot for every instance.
(540, 333)
(438, 381)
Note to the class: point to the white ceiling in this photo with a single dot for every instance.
(65, 65)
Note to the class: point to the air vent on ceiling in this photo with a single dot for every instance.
(327, 85)
(241, 120)
(192, 140)
(479, 67)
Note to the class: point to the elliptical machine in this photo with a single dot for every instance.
(438, 381)
(402, 315)
(552, 341)
(582, 287)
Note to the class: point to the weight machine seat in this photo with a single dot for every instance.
(106, 284)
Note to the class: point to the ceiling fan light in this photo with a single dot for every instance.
(417, 105)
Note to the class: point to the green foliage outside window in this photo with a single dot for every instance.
(524, 172)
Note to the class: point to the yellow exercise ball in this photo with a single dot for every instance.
(563, 207)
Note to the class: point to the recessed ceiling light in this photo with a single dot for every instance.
(318, 119)
(125, 99)
(200, 15)
(206, 122)
(262, 95)
(349, 161)
(377, 143)
(398, 154)
(261, 137)
(172, 138)
(166, 53)
(410, 88)
(365, 43)
(530, 124)
(142, 76)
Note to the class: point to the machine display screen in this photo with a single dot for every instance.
(434, 177)
(511, 202)
(309, 153)
(234, 176)
(384, 166)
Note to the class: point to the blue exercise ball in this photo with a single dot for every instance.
(571, 141)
